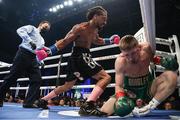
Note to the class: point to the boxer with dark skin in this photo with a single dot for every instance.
(80, 64)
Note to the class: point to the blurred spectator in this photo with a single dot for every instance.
(175, 102)
(99, 103)
(62, 102)
(18, 100)
(8, 98)
(77, 103)
(72, 103)
(51, 102)
(139, 103)
(168, 106)
(68, 102)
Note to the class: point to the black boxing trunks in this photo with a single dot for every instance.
(81, 65)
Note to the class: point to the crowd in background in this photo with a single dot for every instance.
(171, 103)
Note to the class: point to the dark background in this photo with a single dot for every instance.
(124, 17)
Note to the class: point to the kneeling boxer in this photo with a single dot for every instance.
(132, 73)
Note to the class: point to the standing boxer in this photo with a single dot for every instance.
(80, 64)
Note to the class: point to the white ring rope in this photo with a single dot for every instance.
(54, 76)
(177, 48)
(92, 50)
(158, 67)
(74, 87)
(159, 41)
(147, 33)
(163, 41)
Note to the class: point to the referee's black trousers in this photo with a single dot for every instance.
(24, 62)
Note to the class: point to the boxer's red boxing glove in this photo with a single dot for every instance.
(47, 50)
(41, 54)
(52, 50)
(157, 60)
(120, 94)
(114, 39)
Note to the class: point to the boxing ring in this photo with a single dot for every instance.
(16, 111)
(58, 112)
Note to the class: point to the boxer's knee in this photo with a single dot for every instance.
(68, 85)
(108, 78)
(57, 90)
(171, 77)
(105, 81)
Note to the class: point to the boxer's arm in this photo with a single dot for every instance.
(99, 41)
(70, 36)
(60, 44)
(119, 78)
(114, 39)
(150, 51)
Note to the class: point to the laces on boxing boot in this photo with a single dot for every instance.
(41, 104)
(89, 109)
